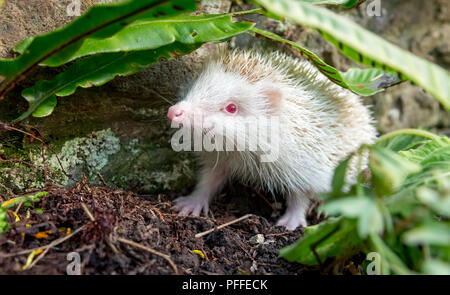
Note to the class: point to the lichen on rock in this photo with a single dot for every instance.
(85, 155)
(132, 164)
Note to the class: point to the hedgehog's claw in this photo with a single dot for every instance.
(291, 220)
(191, 205)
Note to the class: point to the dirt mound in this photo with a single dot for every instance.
(122, 227)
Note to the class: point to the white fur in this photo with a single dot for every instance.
(321, 124)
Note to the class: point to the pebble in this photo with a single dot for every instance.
(257, 239)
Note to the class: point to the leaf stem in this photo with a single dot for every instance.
(251, 11)
(416, 132)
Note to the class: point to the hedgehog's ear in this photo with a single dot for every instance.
(273, 94)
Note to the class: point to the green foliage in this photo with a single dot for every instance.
(344, 3)
(148, 34)
(364, 46)
(389, 170)
(363, 208)
(403, 213)
(122, 38)
(94, 71)
(369, 81)
(409, 138)
(137, 45)
(363, 82)
(323, 240)
(100, 21)
(26, 200)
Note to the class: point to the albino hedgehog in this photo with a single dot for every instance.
(320, 124)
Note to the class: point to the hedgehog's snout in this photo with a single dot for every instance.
(185, 114)
(176, 113)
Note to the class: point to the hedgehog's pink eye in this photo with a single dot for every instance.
(231, 108)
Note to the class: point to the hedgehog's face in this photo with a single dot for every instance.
(222, 102)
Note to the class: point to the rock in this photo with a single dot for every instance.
(406, 106)
(256, 239)
(119, 130)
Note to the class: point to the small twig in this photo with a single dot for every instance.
(277, 212)
(176, 215)
(199, 235)
(161, 96)
(92, 218)
(44, 161)
(7, 189)
(113, 247)
(88, 213)
(49, 246)
(38, 258)
(16, 161)
(102, 179)
(159, 214)
(252, 11)
(166, 257)
(20, 205)
(314, 205)
(242, 248)
(9, 127)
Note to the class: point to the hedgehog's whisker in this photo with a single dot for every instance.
(217, 160)
(161, 96)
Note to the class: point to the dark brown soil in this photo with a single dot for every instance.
(148, 221)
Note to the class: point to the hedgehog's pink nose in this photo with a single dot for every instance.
(175, 113)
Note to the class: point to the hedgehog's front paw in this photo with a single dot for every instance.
(192, 205)
(291, 220)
